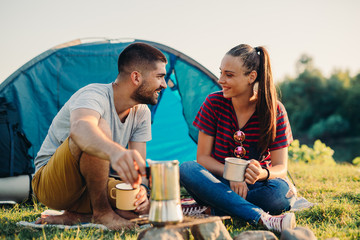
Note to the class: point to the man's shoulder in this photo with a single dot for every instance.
(97, 87)
(94, 96)
(95, 91)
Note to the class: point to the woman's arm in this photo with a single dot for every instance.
(279, 161)
(205, 145)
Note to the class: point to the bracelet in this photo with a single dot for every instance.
(268, 174)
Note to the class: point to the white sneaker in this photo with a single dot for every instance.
(278, 223)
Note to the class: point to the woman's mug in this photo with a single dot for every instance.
(125, 196)
(234, 169)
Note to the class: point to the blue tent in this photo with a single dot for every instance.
(40, 88)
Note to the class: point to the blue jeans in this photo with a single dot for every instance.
(210, 190)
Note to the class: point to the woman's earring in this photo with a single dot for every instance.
(256, 88)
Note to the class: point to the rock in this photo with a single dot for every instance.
(256, 235)
(298, 233)
(164, 234)
(210, 231)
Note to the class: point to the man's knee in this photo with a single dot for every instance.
(74, 149)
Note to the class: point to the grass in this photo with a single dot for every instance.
(336, 190)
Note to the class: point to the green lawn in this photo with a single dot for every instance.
(335, 189)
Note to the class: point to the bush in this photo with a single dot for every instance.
(319, 154)
(333, 126)
(356, 161)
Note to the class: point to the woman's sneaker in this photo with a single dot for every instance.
(278, 223)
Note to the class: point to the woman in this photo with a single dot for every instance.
(244, 120)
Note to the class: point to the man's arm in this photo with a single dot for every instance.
(141, 148)
(143, 204)
(90, 138)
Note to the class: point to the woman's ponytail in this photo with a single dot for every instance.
(267, 101)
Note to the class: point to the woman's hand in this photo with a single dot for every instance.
(254, 172)
(142, 202)
(240, 188)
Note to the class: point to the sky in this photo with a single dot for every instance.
(326, 30)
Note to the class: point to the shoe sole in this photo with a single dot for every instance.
(289, 221)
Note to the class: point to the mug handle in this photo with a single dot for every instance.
(111, 193)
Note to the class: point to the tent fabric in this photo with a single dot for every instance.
(42, 86)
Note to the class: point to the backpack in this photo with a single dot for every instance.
(14, 146)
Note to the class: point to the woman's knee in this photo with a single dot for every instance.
(188, 170)
(282, 202)
(270, 196)
(190, 167)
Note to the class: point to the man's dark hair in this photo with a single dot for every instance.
(139, 56)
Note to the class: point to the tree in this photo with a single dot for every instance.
(316, 104)
(302, 97)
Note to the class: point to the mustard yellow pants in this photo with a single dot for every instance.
(59, 184)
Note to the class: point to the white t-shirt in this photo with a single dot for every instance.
(98, 97)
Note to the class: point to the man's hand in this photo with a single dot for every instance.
(240, 188)
(129, 165)
(142, 202)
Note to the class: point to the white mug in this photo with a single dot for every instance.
(234, 169)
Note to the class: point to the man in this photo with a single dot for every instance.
(90, 134)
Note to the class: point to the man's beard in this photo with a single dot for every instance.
(144, 95)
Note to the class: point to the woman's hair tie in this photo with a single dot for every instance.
(257, 50)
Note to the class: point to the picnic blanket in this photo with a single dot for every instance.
(60, 226)
(189, 206)
(50, 212)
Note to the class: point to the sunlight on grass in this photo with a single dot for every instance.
(337, 195)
